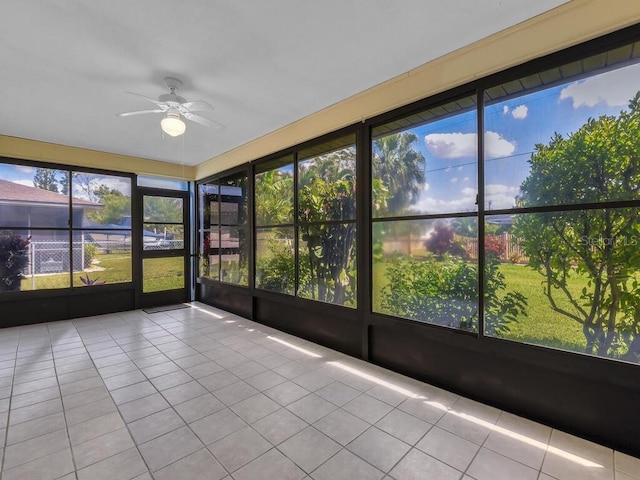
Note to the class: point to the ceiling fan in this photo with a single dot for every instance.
(176, 108)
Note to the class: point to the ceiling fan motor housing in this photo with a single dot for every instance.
(172, 83)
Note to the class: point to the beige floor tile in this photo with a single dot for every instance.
(268, 466)
(192, 387)
(170, 447)
(448, 448)
(50, 467)
(488, 465)
(379, 448)
(96, 427)
(34, 428)
(198, 407)
(142, 407)
(123, 466)
(35, 448)
(239, 448)
(217, 425)
(108, 445)
(401, 425)
(346, 466)
(200, 464)
(155, 425)
(417, 466)
(309, 449)
(341, 426)
(279, 426)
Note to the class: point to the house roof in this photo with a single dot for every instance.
(16, 193)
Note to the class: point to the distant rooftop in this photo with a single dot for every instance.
(11, 192)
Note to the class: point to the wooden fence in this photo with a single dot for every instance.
(413, 245)
(510, 246)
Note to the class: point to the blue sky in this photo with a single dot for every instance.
(23, 175)
(512, 128)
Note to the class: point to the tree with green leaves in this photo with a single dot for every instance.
(326, 195)
(65, 181)
(328, 168)
(115, 206)
(161, 209)
(45, 178)
(397, 181)
(600, 162)
(274, 197)
(400, 168)
(327, 192)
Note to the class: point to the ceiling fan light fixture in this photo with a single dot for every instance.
(173, 125)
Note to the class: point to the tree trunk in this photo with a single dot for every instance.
(633, 354)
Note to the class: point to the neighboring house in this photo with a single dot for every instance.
(23, 208)
(118, 235)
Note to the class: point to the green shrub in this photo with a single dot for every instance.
(277, 270)
(90, 252)
(13, 260)
(445, 292)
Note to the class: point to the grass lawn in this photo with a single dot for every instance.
(117, 269)
(160, 274)
(542, 326)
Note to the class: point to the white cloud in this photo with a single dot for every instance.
(24, 169)
(495, 146)
(496, 188)
(465, 203)
(614, 88)
(520, 112)
(116, 183)
(465, 179)
(457, 145)
(93, 182)
(451, 145)
(454, 180)
(500, 196)
(505, 110)
(26, 183)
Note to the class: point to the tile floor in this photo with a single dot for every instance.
(199, 393)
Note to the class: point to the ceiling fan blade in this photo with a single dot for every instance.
(148, 99)
(197, 106)
(139, 112)
(204, 121)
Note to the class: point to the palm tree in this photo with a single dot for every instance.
(400, 168)
(274, 197)
(330, 168)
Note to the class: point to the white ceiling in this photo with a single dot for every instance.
(65, 65)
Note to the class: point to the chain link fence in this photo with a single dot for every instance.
(53, 257)
(163, 244)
